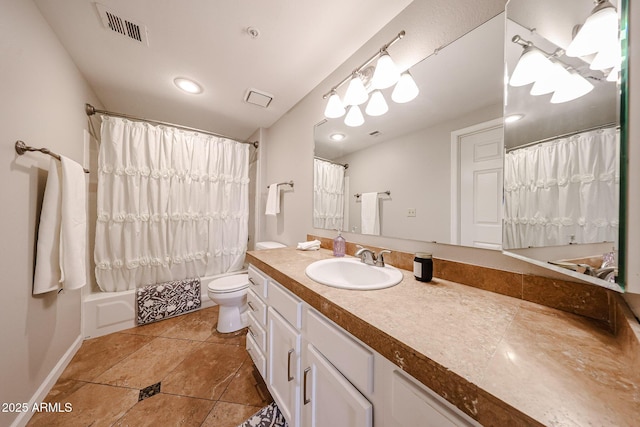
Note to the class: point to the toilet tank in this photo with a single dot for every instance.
(268, 245)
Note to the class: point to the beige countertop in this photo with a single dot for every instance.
(502, 360)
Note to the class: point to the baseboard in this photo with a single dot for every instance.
(44, 389)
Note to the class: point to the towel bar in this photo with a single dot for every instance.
(22, 148)
(388, 193)
(283, 183)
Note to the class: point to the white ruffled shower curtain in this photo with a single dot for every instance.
(171, 205)
(563, 191)
(328, 195)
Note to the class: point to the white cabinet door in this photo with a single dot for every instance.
(329, 400)
(412, 404)
(283, 365)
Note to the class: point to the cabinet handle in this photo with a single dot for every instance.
(251, 306)
(252, 282)
(289, 377)
(251, 332)
(304, 386)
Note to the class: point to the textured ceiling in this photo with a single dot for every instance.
(300, 43)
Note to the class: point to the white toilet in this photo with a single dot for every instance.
(230, 293)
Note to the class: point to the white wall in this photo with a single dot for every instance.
(416, 168)
(42, 99)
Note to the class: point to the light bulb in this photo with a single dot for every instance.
(356, 92)
(354, 117)
(334, 107)
(406, 90)
(599, 26)
(386, 73)
(614, 74)
(533, 65)
(550, 82)
(572, 87)
(377, 106)
(609, 56)
(187, 85)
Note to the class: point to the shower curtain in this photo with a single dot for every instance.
(171, 205)
(563, 191)
(328, 195)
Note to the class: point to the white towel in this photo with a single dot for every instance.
(61, 246)
(370, 214)
(73, 226)
(273, 200)
(312, 245)
(47, 273)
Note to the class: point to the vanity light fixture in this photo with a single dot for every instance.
(334, 107)
(187, 85)
(385, 75)
(354, 117)
(600, 27)
(548, 74)
(406, 89)
(377, 106)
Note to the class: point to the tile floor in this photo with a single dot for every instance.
(206, 378)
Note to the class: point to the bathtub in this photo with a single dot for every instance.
(107, 312)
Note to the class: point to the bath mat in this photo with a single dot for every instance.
(164, 300)
(269, 416)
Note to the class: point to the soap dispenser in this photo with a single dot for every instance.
(339, 245)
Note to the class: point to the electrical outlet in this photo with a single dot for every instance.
(411, 212)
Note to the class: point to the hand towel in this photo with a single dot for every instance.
(47, 272)
(273, 200)
(73, 226)
(370, 214)
(312, 245)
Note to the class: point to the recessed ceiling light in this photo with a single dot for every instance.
(337, 136)
(513, 118)
(187, 85)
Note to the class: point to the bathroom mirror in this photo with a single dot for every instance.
(407, 152)
(562, 161)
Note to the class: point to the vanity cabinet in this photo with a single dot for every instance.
(322, 376)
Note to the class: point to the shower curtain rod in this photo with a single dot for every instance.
(565, 135)
(91, 110)
(345, 165)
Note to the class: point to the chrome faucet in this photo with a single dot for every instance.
(368, 257)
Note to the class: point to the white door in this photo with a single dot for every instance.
(329, 399)
(284, 356)
(479, 185)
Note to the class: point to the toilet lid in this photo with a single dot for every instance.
(231, 283)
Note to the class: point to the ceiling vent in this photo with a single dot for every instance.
(256, 97)
(374, 133)
(126, 27)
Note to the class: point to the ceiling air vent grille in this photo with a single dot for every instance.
(125, 27)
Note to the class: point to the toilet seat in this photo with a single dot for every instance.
(233, 283)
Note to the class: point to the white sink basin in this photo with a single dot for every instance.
(350, 273)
